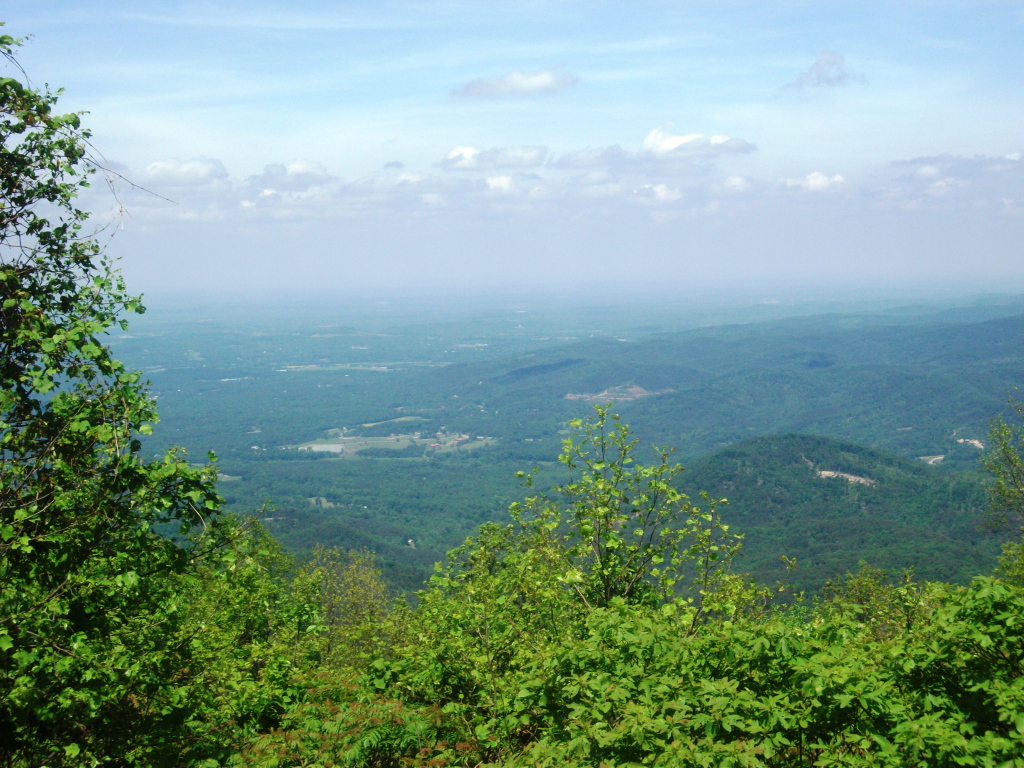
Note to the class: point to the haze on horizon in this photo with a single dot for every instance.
(461, 146)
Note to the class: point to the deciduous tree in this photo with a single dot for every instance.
(91, 665)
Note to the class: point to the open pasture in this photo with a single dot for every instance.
(413, 445)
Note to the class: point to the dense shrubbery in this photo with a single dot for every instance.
(517, 655)
(603, 626)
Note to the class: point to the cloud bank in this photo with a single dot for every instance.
(498, 215)
(658, 142)
(661, 153)
(689, 173)
(182, 173)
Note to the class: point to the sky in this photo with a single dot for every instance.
(669, 147)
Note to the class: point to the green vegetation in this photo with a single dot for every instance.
(1007, 492)
(832, 504)
(390, 446)
(604, 622)
(91, 650)
(1004, 462)
(915, 515)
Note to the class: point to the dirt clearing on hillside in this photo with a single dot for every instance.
(826, 473)
(615, 395)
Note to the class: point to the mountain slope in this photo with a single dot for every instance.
(831, 504)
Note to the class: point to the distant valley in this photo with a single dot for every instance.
(425, 450)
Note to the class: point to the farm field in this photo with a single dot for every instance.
(345, 446)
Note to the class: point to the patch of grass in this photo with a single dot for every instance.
(396, 446)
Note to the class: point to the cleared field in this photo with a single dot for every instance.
(382, 366)
(623, 394)
(340, 432)
(393, 446)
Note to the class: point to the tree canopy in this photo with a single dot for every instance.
(89, 606)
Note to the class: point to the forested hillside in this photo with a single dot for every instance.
(831, 505)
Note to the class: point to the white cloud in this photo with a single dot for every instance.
(460, 158)
(658, 142)
(294, 177)
(664, 169)
(665, 195)
(943, 187)
(942, 180)
(737, 184)
(829, 70)
(183, 173)
(662, 173)
(963, 167)
(945, 184)
(660, 153)
(289, 189)
(815, 182)
(499, 183)
(518, 83)
(465, 158)
(661, 193)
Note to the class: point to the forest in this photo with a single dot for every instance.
(608, 608)
(916, 385)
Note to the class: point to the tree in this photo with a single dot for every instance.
(1006, 494)
(91, 667)
(1003, 460)
(624, 532)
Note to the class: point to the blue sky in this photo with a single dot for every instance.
(346, 144)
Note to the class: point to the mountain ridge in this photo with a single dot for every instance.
(793, 495)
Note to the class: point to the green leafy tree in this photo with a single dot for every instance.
(616, 536)
(356, 608)
(1003, 460)
(623, 531)
(92, 667)
(1006, 494)
(251, 634)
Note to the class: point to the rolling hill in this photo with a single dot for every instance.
(831, 504)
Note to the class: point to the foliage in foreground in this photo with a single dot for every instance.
(90, 650)
(518, 655)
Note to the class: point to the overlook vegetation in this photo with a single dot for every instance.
(605, 620)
